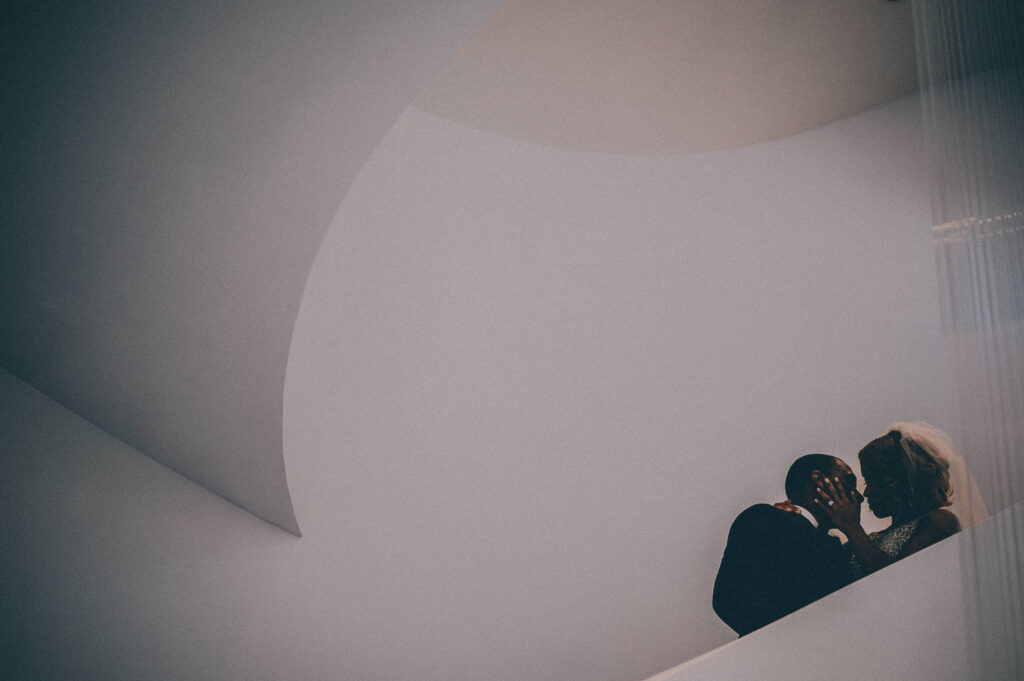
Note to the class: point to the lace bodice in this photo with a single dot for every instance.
(892, 540)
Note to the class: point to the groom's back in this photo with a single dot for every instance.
(775, 562)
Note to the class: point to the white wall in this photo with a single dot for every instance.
(907, 622)
(169, 169)
(529, 388)
(113, 567)
(536, 385)
(518, 421)
(168, 173)
(652, 77)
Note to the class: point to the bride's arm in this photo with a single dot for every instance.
(844, 511)
(868, 555)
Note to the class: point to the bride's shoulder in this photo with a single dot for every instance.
(934, 527)
(943, 520)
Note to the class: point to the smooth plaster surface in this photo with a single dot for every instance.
(169, 170)
(168, 173)
(657, 76)
(909, 621)
(113, 568)
(529, 387)
(532, 387)
(543, 496)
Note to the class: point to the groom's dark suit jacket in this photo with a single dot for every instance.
(775, 562)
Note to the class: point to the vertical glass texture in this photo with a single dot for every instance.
(972, 91)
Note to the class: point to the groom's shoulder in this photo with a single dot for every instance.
(766, 521)
(761, 515)
(759, 512)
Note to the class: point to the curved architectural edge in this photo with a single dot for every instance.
(669, 78)
(167, 181)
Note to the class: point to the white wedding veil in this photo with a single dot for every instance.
(968, 505)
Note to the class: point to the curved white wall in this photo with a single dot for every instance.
(530, 388)
(168, 173)
(657, 77)
(909, 621)
(113, 568)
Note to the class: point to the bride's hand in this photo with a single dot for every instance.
(840, 504)
(787, 505)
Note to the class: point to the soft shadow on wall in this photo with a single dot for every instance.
(168, 174)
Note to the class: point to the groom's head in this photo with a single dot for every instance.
(800, 486)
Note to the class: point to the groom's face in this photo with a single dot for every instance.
(841, 471)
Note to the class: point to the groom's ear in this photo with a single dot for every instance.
(816, 477)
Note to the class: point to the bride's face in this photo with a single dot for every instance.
(885, 487)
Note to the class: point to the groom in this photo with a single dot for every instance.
(778, 561)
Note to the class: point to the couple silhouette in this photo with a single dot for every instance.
(781, 557)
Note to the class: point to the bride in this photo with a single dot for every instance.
(911, 474)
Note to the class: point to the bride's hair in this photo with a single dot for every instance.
(926, 478)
